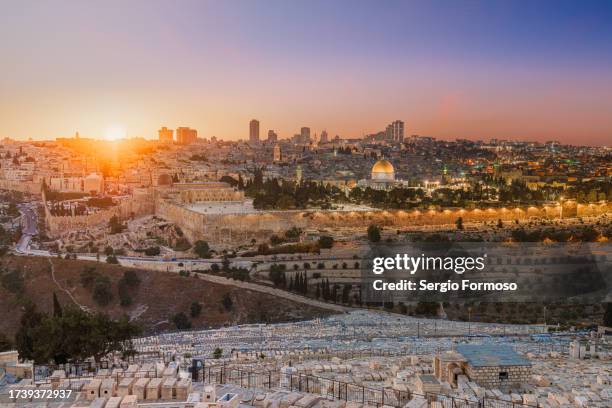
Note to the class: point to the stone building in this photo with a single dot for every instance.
(490, 366)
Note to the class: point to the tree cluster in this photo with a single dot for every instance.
(299, 283)
(72, 335)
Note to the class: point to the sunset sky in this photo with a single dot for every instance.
(535, 70)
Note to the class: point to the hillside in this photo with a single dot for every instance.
(154, 300)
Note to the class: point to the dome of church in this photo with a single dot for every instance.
(383, 171)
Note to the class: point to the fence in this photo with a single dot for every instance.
(338, 389)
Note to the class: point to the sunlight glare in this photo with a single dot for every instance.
(115, 132)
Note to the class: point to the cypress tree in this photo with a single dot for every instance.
(57, 308)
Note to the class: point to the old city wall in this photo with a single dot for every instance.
(138, 205)
(21, 186)
(243, 227)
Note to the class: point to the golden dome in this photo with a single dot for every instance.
(383, 166)
(383, 171)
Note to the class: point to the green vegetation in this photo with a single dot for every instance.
(218, 353)
(284, 195)
(196, 309)
(102, 290)
(99, 285)
(152, 251)
(459, 223)
(325, 241)
(5, 343)
(374, 233)
(57, 308)
(201, 249)
(296, 248)
(299, 283)
(12, 281)
(181, 321)
(277, 275)
(227, 302)
(607, 320)
(279, 194)
(73, 336)
(127, 285)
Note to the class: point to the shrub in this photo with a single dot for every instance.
(102, 292)
(181, 321)
(202, 249)
(326, 241)
(196, 309)
(152, 251)
(374, 233)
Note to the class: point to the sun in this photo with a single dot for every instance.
(115, 132)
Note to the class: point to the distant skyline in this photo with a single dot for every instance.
(525, 70)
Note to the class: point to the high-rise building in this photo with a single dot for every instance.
(185, 135)
(305, 135)
(324, 137)
(254, 131)
(389, 132)
(398, 131)
(394, 132)
(272, 136)
(166, 135)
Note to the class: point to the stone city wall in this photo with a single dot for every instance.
(234, 228)
(137, 205)
(243, 227)
(29, 187)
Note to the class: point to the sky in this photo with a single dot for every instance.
(528, 70)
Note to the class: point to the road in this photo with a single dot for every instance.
(29, 227)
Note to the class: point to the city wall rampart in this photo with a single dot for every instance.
(21, 186)
(243, 227)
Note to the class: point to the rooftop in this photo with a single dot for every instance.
(484, 355)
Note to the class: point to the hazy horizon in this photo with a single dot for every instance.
(476, 70)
